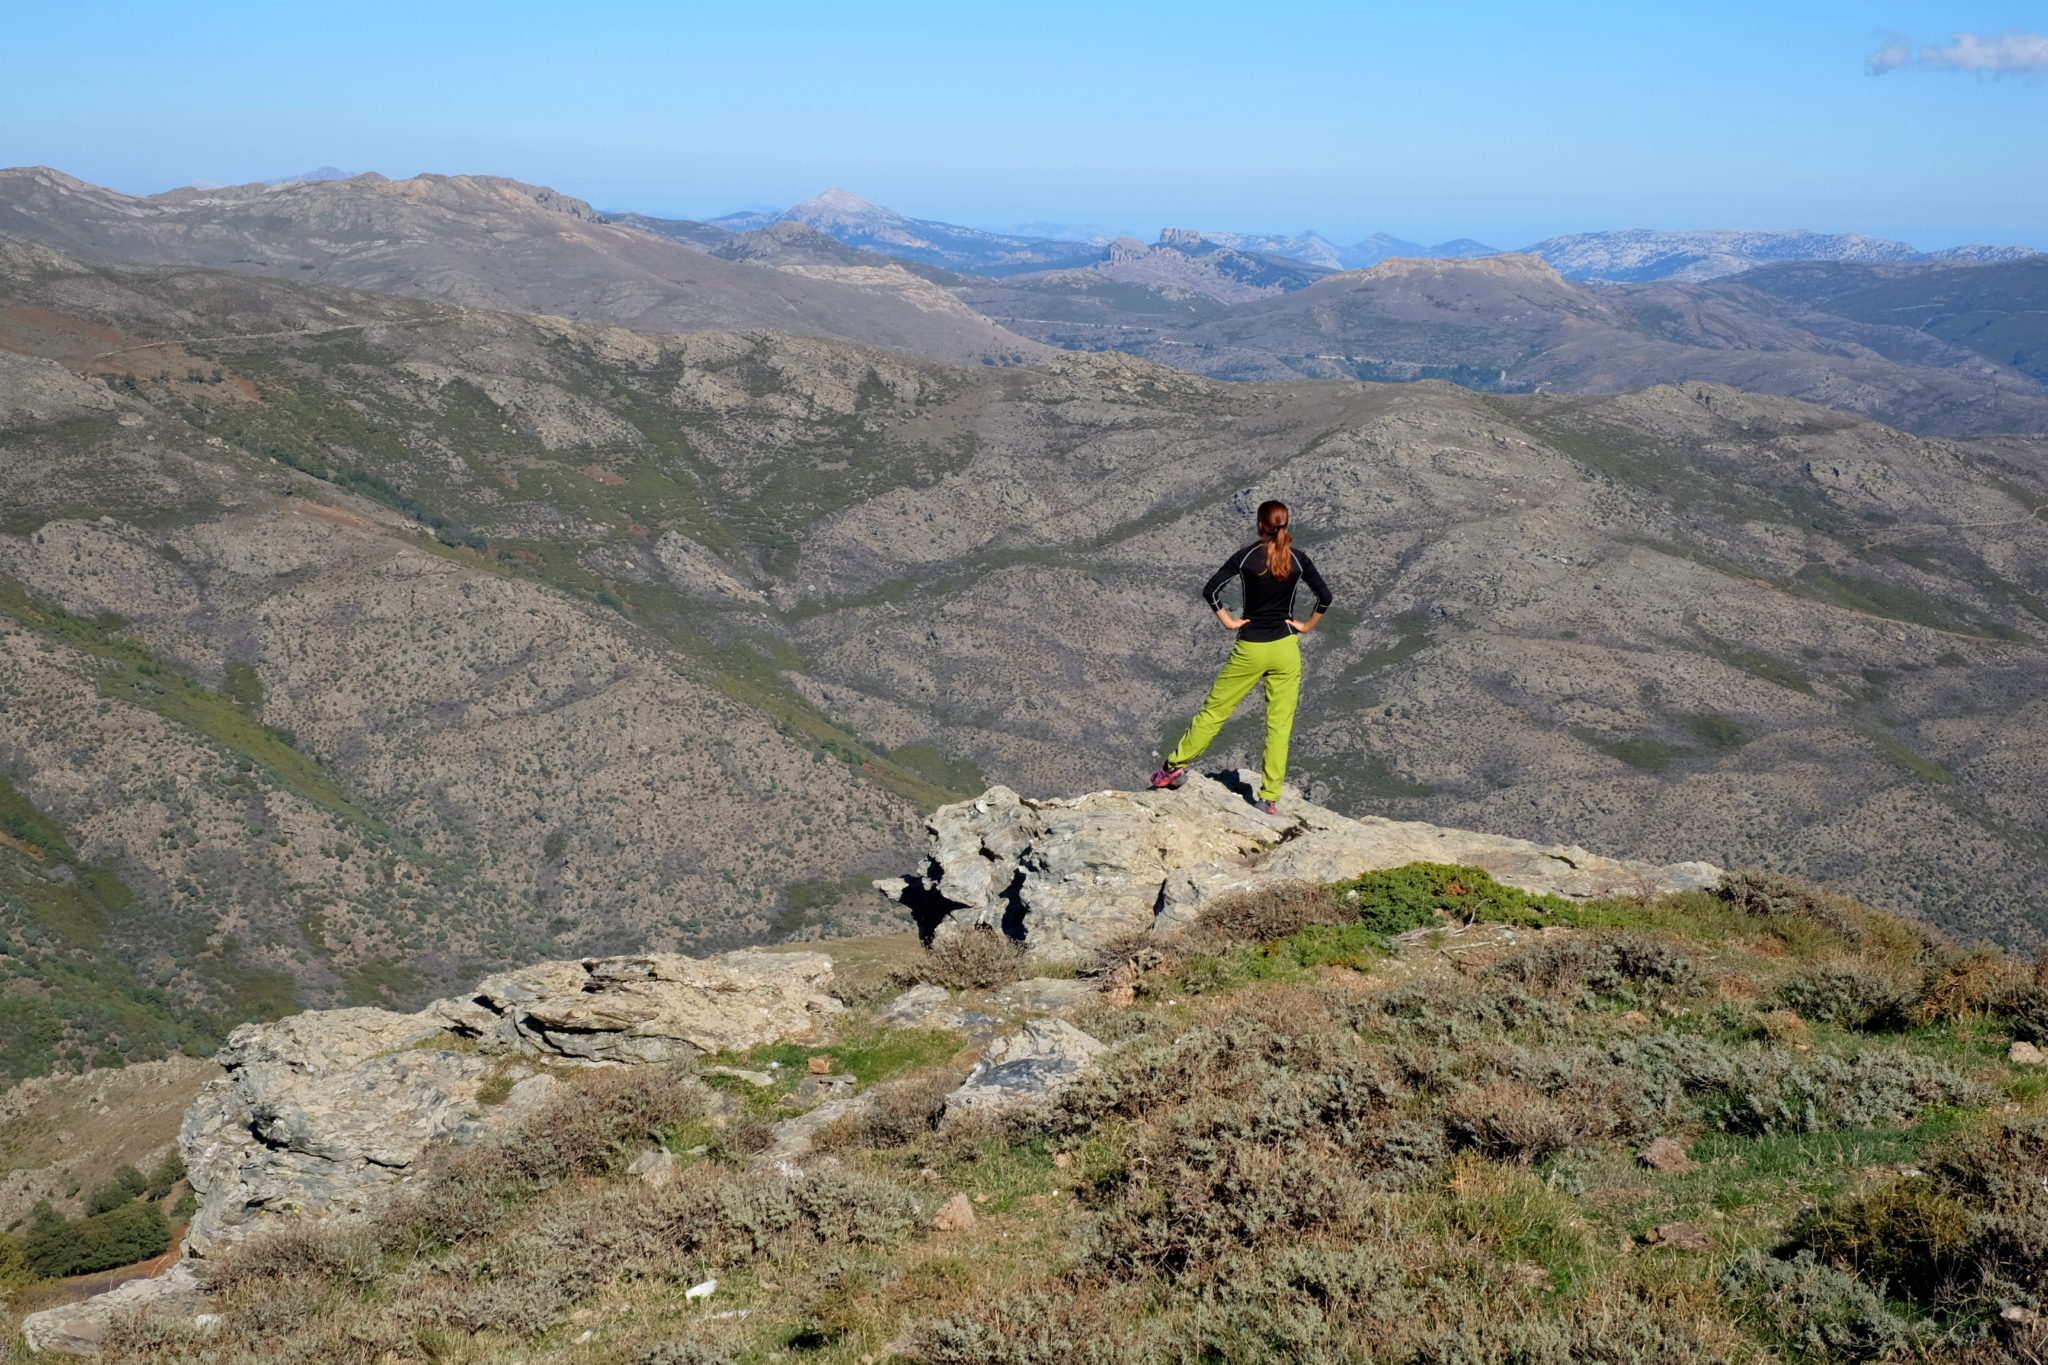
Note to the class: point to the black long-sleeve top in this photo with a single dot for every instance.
(1268, 601)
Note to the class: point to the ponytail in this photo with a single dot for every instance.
(1279, 543)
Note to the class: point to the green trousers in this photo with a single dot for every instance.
(1278, 664)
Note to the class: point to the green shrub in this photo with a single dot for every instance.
(168, 1173)
(1420, 894)
(1629, 1337)
(123, 1235)
(690, 1353)
(14, 1266)
(1764, 1090)
(1848, 993)
(1812, 1311)
(1328, 945)
(125, 1184)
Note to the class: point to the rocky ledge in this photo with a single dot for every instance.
(1066, 876)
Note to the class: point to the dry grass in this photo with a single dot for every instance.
(1407, 1167)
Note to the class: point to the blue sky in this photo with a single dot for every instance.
(1506, 122)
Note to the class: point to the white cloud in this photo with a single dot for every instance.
(2002, 54)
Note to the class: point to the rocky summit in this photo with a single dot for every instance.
(1070, 876)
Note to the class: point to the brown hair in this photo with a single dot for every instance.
(1279, 544)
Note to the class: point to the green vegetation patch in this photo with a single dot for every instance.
(1418, 895)
(1644, 754)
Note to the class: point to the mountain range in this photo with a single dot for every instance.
(1510, 323)
(1628, 255)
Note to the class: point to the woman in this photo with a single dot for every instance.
(1268, 648)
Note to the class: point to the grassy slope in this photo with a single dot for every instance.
(1430, 1156)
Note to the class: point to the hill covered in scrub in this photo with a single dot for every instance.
(1413, 1116)
(359, 646)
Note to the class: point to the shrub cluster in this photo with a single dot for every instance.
(1967, 1234)
(979, 958)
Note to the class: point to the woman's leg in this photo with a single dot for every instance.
(1283, 689)
(1232, 685)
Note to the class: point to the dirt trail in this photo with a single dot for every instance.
(447, 316)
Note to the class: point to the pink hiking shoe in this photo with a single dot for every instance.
(1169, 778)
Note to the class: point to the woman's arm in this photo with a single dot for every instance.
(1212, 591)
(1310, 576)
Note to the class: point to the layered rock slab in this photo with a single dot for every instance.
(1069, 875)
(320, 1113)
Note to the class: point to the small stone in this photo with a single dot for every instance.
(1680, 1237)
(819, 1066)
(701, 1291)
(1666, 1155)
(656, 1167)
(955, 1215)
(981, 1199)
(2015, 1313)
(2026, 1054)
(1062, 1159)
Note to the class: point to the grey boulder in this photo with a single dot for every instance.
(1034, 1065)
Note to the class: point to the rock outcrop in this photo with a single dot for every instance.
(1031, 1066)
(1069, 875)
(323, 1113)
(78, 1328)
(649, 1008)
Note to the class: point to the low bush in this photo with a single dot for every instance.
(1213, 1195)
(1848, 993)
(1421, 894)
(897, 1113)
(1065, 1324)
(1598, 969)
(1969, 987)
(979, 958)
(1511, 1121)
(1812, 1311)
(1966, 1235)
(1271, 911)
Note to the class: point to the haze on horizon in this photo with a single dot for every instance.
(1915, 121)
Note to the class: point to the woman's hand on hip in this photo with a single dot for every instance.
(1299, 628)
(1231, 622)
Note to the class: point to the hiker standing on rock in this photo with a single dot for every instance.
(1268, 649)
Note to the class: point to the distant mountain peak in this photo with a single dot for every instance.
(839, 200)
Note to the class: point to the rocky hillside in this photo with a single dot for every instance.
(488, 242)
(367, 643)
(1415, 1113)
